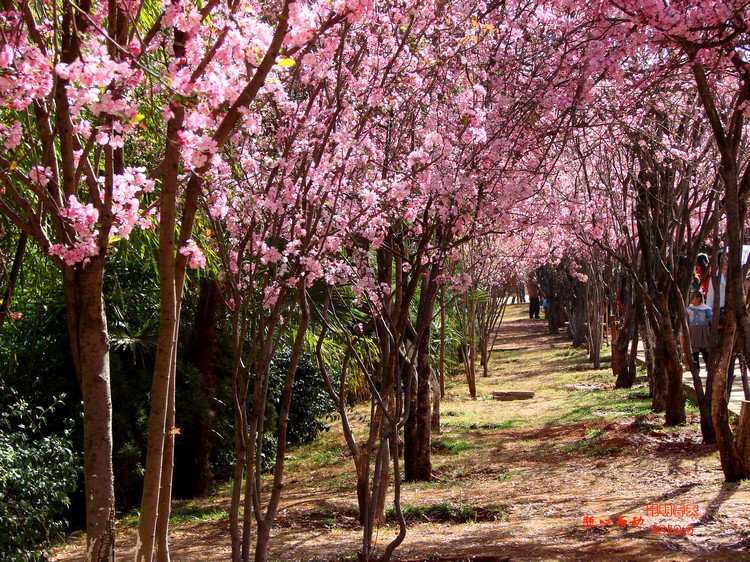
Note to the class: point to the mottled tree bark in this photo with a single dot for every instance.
(89, 339)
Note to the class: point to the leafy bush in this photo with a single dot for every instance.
(37, 475)
(310, 401)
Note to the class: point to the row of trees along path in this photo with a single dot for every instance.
(529, 473)
(340, 154)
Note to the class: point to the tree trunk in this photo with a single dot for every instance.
(620, 358)
(266, 522)
(555, 312)
(418, 467)
(442, 341)
(675, 406)
(735, 181)
(163, 368)
(595, 317)
(484, 356)
(417, 432)
(703, 399)
(633, 353)
(167, 470)
(435, 388)
(13, 277)
(203, 353)
(89, 340)
(659, 382)
(731, 461)
(743, 433)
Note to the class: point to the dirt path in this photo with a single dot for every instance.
(580, 472)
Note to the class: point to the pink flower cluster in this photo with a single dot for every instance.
(125, 203)
(83, 219)
(196, 258)
(84, 243)
(25, 72)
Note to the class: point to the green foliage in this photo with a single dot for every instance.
(310, 401)
(451, 446)
(598, 404)
(453, 339)
(448, 511)
(191, 510)
(38, 473)
(475, 425)
(345, 319)
(328, 456)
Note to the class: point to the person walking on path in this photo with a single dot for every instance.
(699, 322)
(533, 290)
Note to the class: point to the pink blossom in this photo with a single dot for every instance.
(40, 174)
(195, 256)
(417, 158)
(13, 135)
(134, 47)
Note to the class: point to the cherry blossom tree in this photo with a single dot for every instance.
(102, 105)
(707, 43)
(68, 184)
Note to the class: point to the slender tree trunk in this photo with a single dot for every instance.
(731, 461)
(675, 407)
(633, 355)
(442, 342)
(703, 399)
(83, 290)
(167, 342)
(435, 389)
(743, 434)
(421, 470)
(659, 381)
(13, 277)
(264, 526)
(620, 359)
(411, 429)
(735, 198)
(595, 317)
(167, 469)
(419, 465)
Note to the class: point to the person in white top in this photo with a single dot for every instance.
(722, 286)
(699, 325)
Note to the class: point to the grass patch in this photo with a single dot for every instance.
(485, 425)
(448, 512)
(445, 446)
(328, 456)
(598, 404)
(192, 510)
(344, 481)
(183, 511)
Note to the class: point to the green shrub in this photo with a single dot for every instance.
(310, 401)
(37, 475)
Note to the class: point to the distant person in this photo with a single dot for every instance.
(533, 290)
(699, 325)
(722, 288)
(703, 271)
(521, 291)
